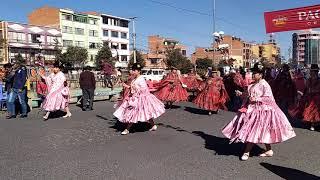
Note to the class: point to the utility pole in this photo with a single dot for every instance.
(134, 35)
(214, 29)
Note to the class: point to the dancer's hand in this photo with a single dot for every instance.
(238, 93)
(252, 99)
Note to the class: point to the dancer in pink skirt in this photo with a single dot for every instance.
(140, 105)
(58, 92)
(260, 120)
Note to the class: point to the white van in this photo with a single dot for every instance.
(153, 74)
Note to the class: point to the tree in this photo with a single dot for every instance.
(19, 59)
(75, 55)
(174, 58)
(104, 55)
(202, 65)
(139, 58)
(3, 45)
(58, 52)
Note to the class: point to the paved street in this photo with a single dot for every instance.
(187, 145)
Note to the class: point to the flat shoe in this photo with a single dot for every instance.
(267, 154)
(245, 157)
(154, 128)
(125, 132)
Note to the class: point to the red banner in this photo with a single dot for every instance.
(293, 19)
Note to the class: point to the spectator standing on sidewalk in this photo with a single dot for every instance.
(107, 72)
(18, 90)
(88, 85)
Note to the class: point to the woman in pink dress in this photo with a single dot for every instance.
(58, 92)
(140, 105)
(260, 120)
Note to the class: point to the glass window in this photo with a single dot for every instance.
(184, 52)
(93, 45)
(67, 43)
(67, 29)
(114, 34)
(154, 61)
(124, 23)
(93, 21)
(124, 58)
(105, 20)
(17, 37)
(80, 19)
(124, 35)
(67, 17)
(93, 33)
(79, 31)
(124, 46)
(52, 40)
(155, 72)
(105, 33)
(79, 43)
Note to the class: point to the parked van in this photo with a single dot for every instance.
(153, 74)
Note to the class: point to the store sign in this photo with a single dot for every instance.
(293, 19)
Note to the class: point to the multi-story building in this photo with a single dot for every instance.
(306, 47)
(115, 32)
(89, 30)
(157, 51)
(268, 51)
(229, 47)
(34, 43)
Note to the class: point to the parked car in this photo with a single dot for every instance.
(153, 74)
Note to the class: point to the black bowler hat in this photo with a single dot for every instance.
(258, 68)
(314, 67)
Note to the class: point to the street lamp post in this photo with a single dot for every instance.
(134, 35)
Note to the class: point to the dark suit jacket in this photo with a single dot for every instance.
(87, 80)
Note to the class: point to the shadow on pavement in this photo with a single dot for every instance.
(196, 111)
(172, 107)
(119, 126)
(289, 173)
(221, 146)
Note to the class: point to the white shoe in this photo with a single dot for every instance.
(154, 128)
(245, 157)
(210, 113)
(125, 132)
(67, 115)
(267, 154)
(312, 128)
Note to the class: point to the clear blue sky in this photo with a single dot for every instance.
(243, 18)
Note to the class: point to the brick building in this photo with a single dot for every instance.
(157, 48)
(234, 48)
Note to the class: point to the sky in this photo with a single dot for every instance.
(189, 21)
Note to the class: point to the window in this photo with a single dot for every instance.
(67, 17)
(116, 22)
(53, 40)
(154, 61)
(93, 45)
(35, 38)
(17, 37)
(105, 20)
(155, 72)
(124, 58)
(124, 23)
(184, 52)
(124, 46)
(93, 21)
(80, 19)
(124, 35)
(67, 29)
(105, 33)
(114, 34)
(93, 33)
(79, 43)
(79, 31)
(67, 43)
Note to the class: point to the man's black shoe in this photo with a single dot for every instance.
(11, 117)
(23, 116)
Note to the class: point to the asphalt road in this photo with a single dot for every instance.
(187, 145)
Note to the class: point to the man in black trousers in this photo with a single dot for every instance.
(88, 85)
